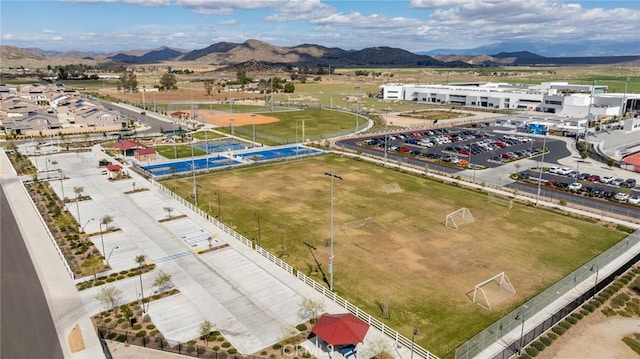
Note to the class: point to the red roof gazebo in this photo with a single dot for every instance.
(340, 329)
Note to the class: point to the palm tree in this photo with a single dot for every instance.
(140, 260)
(106, 219)
(78, 191)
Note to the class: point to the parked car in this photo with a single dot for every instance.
(573, 174)
(621, 196)
(606, 179)
(575, 186)
(553, 169)
(617, 181)
(593, 178)
(564, 171)
(584, 176)
(635, 199)
(630, 183)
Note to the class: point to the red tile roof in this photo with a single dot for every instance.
(114, 168)
(128, 144)
(633, 160)
(145, 151)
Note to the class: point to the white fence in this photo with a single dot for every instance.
(393, 334)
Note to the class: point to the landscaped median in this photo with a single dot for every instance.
(112, 277)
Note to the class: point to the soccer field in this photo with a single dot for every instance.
(398, 249)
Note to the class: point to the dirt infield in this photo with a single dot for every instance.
(239, 119)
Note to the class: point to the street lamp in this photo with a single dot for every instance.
(102, 240)
(256, 214)
(544, 145)
(193, 170)
(591, 96)
(332, 175)
(219, 212)
(110, 253)
(623, 104)
(82, 228)
(413, 338)
(520, 316)
(253, 118)
(597, 270)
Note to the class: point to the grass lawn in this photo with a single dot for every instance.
(210, 135)
(316, 123)
(169, 151)
(404, 254)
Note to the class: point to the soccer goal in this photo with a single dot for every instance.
(493, 291)
(458, 218)
(391, 188)
(492, 198)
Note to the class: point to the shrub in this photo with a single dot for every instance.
(552, 335)
(113, 275)
(120, 277)
(577, 315)
(584, 312)
(226, 345)
(112, 325)
(151, 327)
(565, 324)
(558, 330)
(571, 320)
(136, 306)
(132, 274)
(201, 351)
(125, 325)
(532, 351)
(142, 333)
(99, 282)
(301, 327)
(276, 346)
(146, 319)
(137, 327)
(546, 341)
(538, 345)
(107, 320)
(525, 356)
(632, 343)
(121, 338)
(263, 353)
(232, 351)
(121, 320)
(215, 348)
(191, 349)
(589, 307)
(191, 342)
(597, 302)
(619, 300)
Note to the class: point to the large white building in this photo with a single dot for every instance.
(562, 98)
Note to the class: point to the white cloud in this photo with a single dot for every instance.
(430, 4)
(56, 38)
(149, 3)
(226, 7)
(229, 22)
(7, 36)
(47, 31)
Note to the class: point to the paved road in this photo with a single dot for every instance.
(26, 327)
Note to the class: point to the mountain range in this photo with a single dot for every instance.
(227, 53)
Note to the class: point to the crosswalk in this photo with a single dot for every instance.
(172, 257)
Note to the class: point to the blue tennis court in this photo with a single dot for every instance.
(185, 165)
(278, 153)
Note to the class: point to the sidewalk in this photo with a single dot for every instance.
(63, 299)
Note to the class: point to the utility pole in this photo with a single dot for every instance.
(331, 256)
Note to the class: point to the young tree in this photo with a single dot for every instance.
(162, 281)
(140, 260)
(289, 87)
(93, 264)
(168, 209)
(106, 220)
(168, 81)
(110, 296)
(311, 307)
(78, 191)
(205, 330)
(208, 86)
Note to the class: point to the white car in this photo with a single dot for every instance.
(606, 179)
(553, 169)
(564, 171)
(635, 199)
(575, 186)
(620, 196)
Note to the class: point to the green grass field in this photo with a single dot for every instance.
(404, 254)
(210, 135)
(312, 123)
(182, 151)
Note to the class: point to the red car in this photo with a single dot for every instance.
(464, 152)
(593, 178)
(404, 149)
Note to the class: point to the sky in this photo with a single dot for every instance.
(414, 25)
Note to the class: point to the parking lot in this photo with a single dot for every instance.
(458, 147)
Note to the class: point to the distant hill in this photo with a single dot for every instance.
(255, 51)
(580, 49)
(307, 54)
(159, 55)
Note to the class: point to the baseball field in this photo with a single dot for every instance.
(391, 244)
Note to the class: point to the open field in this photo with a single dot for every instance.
(403, 254)
(182, 151)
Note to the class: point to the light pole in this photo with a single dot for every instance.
(544, 145)
(256, 214)
(413, 338)
(82, 228)
(102, 240)
(193, 170)
(219, 212)
(623, 104)
(597, 270)
(332, 175)
(253, 118)
(591, 96)
(520, 316)
(111, 252)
